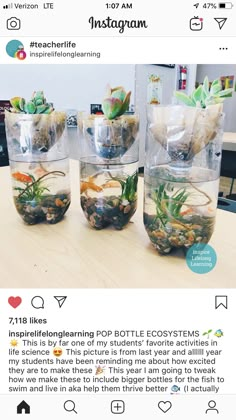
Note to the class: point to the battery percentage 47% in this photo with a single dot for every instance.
(206, 5)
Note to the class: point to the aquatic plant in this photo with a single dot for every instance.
(168, 208)
(205, 94)
(116, 102)
(33, 189)
(36, 105)
(128, 186)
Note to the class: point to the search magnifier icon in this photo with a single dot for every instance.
(69, 406)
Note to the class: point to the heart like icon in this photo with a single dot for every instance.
(14, 301)
(164, 406)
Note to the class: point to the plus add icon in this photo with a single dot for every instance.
(117, 407)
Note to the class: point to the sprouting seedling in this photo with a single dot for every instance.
(116, 102)
(205, 94)
(36, 105)
(207, 333)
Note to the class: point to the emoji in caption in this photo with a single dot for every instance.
(57, 351)
(14, 343)
(175, 389)
(207, 333)
(100, 370)
(219, 333)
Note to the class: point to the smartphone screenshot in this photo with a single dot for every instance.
(118, 210)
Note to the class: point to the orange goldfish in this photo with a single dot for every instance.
(185, 212)
(111, 184)
(19, 176)
(89, 185)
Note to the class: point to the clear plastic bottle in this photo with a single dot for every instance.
(182, 168)
(38, 157)
(108, 169)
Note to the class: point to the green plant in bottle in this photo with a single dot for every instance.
(180, 195)
(36, 105)
(205, 94)
(116, 102)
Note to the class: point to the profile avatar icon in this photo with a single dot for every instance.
(15, 49)
(212, 407)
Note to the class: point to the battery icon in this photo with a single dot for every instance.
(226, 5)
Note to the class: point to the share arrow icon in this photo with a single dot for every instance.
(221, 21)
(60, 300)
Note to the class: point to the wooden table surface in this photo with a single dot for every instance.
(229, 141)
(70, 254)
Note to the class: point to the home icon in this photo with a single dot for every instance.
(23, 408)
